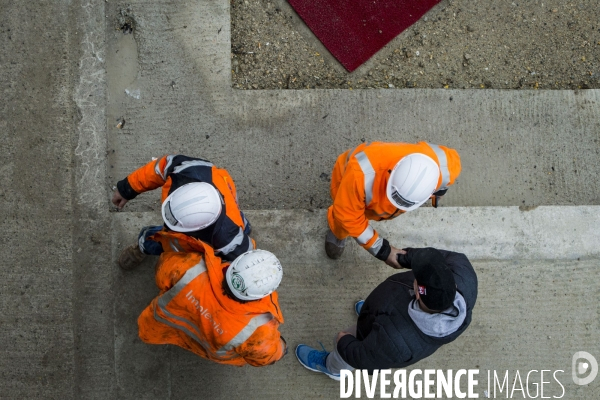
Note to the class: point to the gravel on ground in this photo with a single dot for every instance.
(549, 44)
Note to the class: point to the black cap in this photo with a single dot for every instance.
(437, 287)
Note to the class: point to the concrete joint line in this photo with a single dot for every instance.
(483, 233)
(90, 97)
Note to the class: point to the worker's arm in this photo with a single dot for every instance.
(349, 214)
(230, 241)
(376, 351)
(265, 346)
(148, 177)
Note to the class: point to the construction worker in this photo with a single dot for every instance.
(380, 181)
(199, 201)
(406, 318)
(225, 312)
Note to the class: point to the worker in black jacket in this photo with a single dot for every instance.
(406, 318)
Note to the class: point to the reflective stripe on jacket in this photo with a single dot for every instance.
(226, 235)
(358, 186)
(180, 242)
(192, 312)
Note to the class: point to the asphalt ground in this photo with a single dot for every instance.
(68, 313)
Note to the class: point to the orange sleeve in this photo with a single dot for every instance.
(264, 347)
(349, 206)
(150, 176)
(454, 166)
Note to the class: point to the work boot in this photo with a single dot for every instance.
(334, 252)
(334, 247)
(314, 360)
(131, 257)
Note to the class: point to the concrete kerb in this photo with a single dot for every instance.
(483, 233)
(523, 320)
(263, 128)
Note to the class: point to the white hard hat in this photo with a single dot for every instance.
(412, 181)
(192, 207)
(254, 275)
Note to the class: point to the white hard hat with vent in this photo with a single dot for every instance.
(254, 275)
(192, 207)
(412, 181)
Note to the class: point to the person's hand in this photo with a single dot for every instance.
(392, 259)
(342, 334)
(118, 200)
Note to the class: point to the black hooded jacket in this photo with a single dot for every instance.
(386, 335)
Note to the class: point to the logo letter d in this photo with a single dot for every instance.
(581, 367)
(346, 375)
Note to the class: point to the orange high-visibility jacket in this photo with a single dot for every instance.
(358, 187)
(193, 312)
(226, 235)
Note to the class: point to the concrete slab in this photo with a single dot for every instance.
(67, 316)
(36, 114)
(518, 147)
(93, 289)
(531, 314)
(483, 233)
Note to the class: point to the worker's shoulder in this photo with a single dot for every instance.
(464, 275)
(397, 146)
(186, 259)
(195, 169)
(382, 154)
(180, 159)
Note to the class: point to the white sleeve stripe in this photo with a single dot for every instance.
(163, 172)
(193, 163)
(443, 161)
(169, 162)
(236, 241)
(369, 173)
(367, 235)
(376, 246)
(157, 169)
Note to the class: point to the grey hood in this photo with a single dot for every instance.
(440, 324)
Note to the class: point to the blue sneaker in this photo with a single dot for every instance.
(314, 360)
(358, 306)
